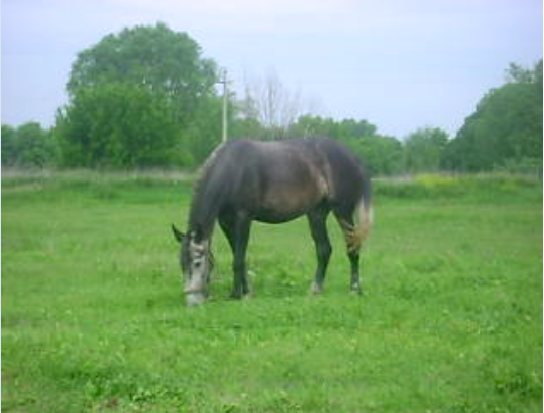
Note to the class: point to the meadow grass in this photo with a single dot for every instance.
(93, 318)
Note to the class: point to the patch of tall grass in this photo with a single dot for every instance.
(102, 185)
(110, 184)
(14, 177)
(478, 186)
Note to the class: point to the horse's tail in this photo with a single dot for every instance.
(352, 189)
(362, 219)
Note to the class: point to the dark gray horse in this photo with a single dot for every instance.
(274, 182)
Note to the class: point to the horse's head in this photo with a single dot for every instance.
(196, 262)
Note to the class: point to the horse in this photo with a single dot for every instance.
(274, 182)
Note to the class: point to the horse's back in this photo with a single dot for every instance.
(290, 176)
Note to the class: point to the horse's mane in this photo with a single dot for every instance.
(205, 192)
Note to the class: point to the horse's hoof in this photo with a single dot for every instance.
(356, 289)
(316, 289)
(193, 300)
(235, 296)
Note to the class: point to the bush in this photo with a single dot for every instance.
(27, 146)
(119, 126)
(526, 166)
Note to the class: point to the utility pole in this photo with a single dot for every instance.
(225, 102)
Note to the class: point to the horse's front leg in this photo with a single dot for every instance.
(236, 228)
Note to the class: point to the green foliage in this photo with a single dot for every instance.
(424, 149)
(119, 126)
(382, 154)
(154, 57)
(344, 130)
(519, 74)
(93, 317)
(9, 145)
(525, 165)
(246, 128)
(506, 127)
(27, 146)
(203, 133)
(144, 97)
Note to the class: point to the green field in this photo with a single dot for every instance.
(93, 318)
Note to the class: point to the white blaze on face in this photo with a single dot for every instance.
(196, 284)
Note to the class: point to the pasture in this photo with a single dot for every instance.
(93, 318)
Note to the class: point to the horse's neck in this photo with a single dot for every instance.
(209, 196)
(202, 224)
(203, 215)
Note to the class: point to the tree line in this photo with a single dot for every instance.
(146, 97)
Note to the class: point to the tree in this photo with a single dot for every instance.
(345, 129)
(119, 126)
(423, 149)
(28, 145)
(519, 74)
(269, 103)
(506, 127)
(353, 129)
(9, 149)
(203, 134)
(136, 100)
(153, 57)
(309, 126)
(383, 154)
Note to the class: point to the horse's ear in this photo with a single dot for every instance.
(180, 236)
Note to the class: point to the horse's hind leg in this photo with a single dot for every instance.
(355, 282)
(318, 227)
(353, 247)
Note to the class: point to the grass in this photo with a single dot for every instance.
(93, 318)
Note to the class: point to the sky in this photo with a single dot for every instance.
(398, 64)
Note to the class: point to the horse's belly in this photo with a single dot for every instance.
(282, 206)
(274, 217)
(292, 188)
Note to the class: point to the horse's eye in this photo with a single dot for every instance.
(197, 264)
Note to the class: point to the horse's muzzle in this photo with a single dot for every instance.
(194, 298)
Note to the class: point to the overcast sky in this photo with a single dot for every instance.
(398, 64)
